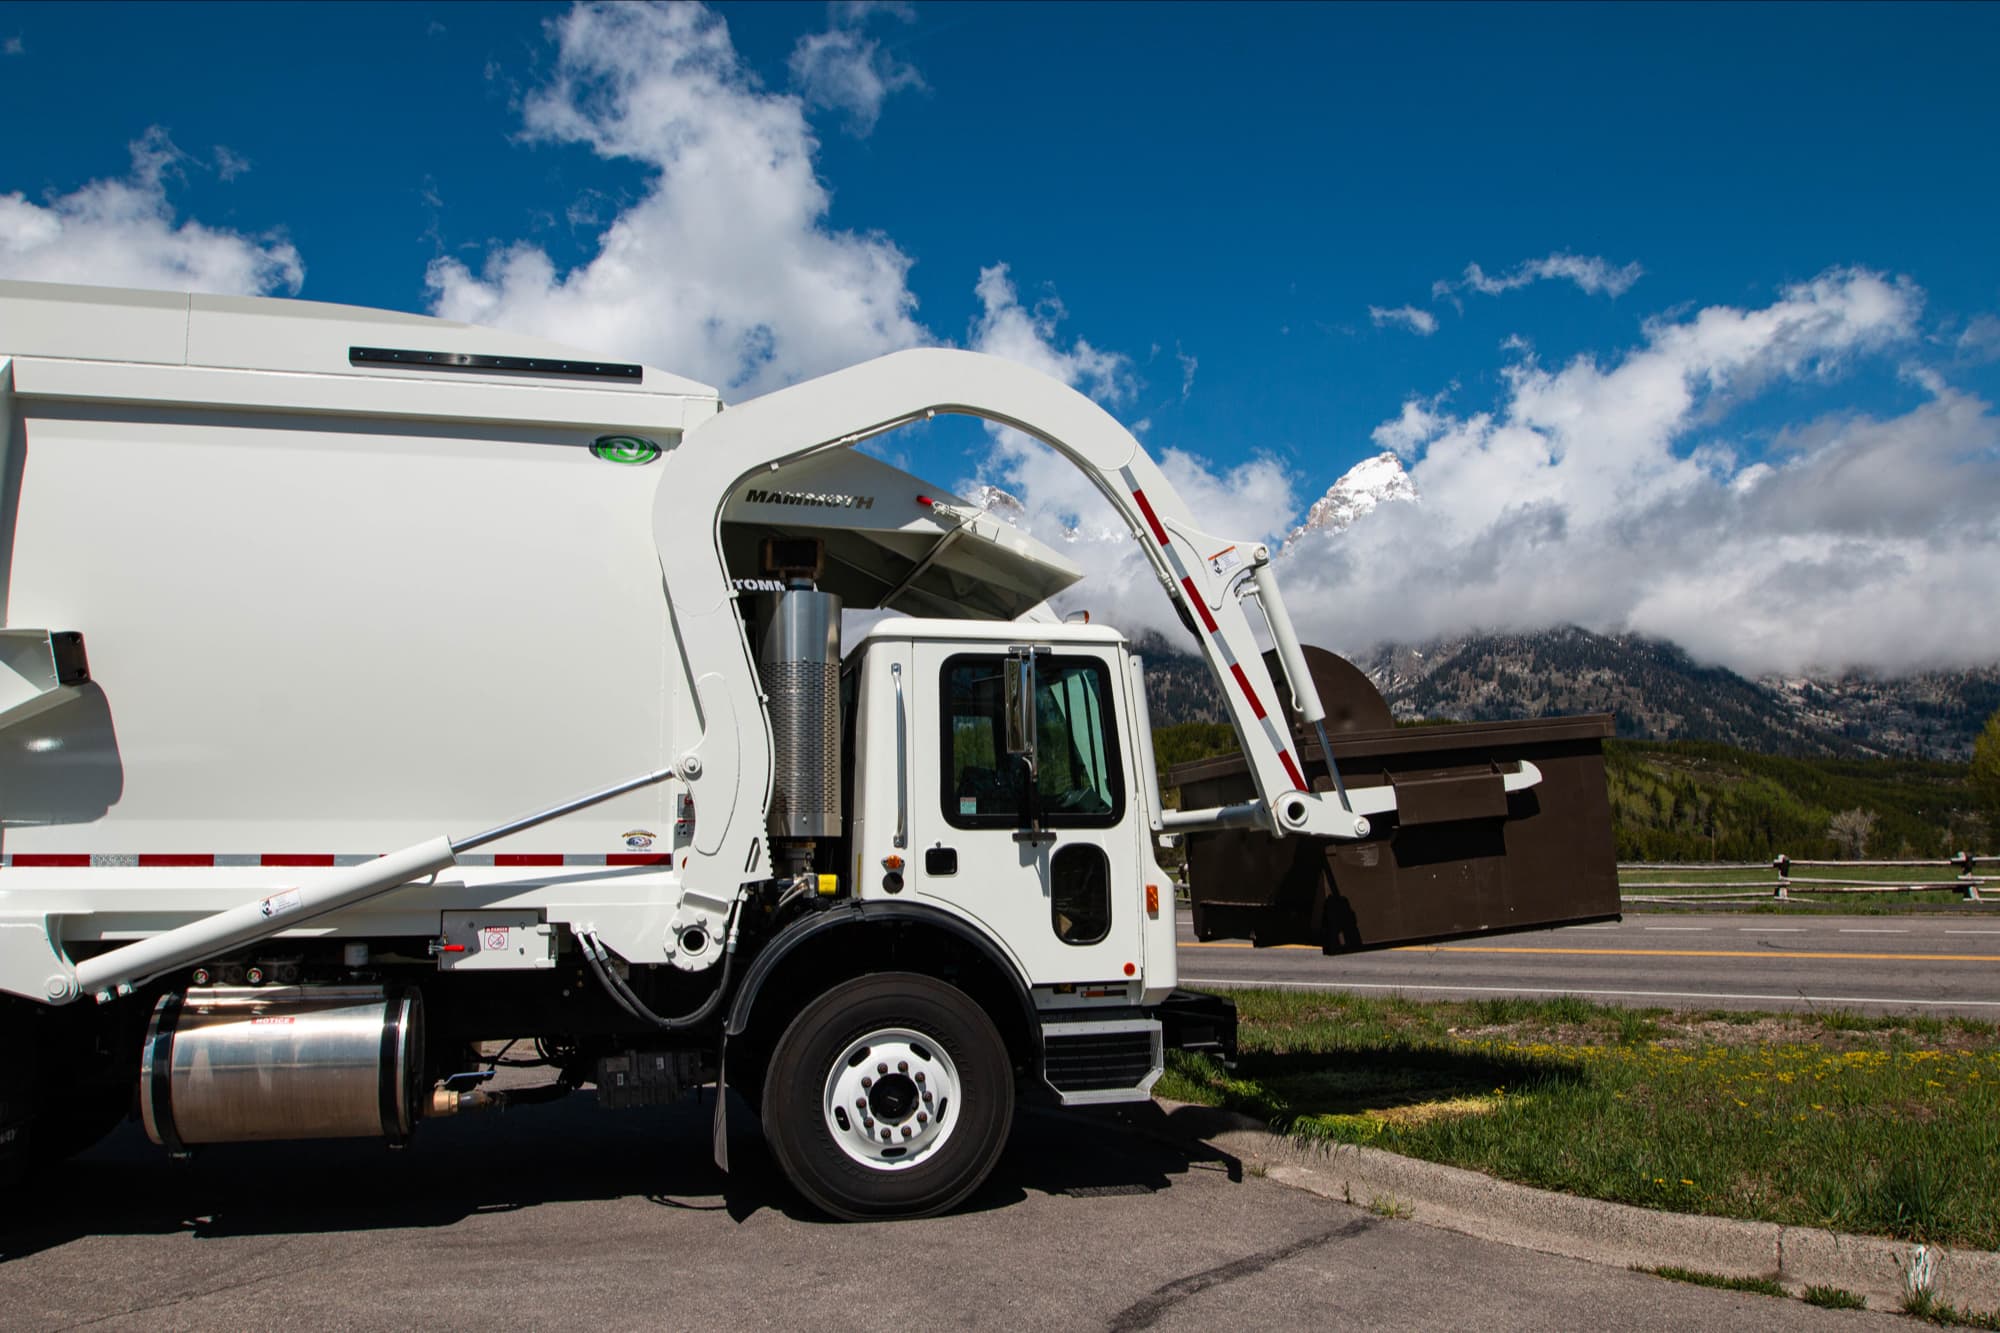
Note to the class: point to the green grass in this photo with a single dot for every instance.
(1833, 1298)
(1880, 1125)
(1762, 1286)
(1925, 1306)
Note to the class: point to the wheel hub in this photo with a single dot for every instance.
(891, 1098)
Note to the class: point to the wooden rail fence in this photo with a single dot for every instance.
(1780, 879)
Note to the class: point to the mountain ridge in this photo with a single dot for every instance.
(1653, 688)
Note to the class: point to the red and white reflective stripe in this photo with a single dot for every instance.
(1200, 605)
(227, 860)
(1146, 508)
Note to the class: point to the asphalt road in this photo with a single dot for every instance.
(562, 1215)
(1932, 964)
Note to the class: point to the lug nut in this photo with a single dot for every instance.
(907, 1131)
(867, 1082)
(920, 1076)
(927, 1099)
(923, 1118)
(885, 1136)
(882, 1067)
(902, 1066)
(860, 1103)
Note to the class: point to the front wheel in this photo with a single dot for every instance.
(888, 1096)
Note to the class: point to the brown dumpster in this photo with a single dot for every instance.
(1459, 857)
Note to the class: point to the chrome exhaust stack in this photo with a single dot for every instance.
(234, 1064)
(798, 666)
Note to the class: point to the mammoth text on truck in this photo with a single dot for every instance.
(373, 687)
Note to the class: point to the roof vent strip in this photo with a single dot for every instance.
(474, 361)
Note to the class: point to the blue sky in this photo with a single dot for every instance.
(1733, 264)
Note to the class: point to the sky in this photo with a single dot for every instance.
(1684, 320)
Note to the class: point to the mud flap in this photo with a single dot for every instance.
(720, 1131)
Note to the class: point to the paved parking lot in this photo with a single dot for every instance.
(566, 1213)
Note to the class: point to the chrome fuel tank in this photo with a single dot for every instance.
(228, 1064)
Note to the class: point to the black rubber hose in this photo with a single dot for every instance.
(628, 1000)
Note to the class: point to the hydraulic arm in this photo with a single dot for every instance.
(1210, 577)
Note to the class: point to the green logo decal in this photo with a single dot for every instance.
(631, 449)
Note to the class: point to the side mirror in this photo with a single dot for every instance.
(1018, 681)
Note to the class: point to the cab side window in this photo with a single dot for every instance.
(1077, 783)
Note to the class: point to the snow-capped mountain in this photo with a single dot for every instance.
(1009, 509)
(1369, 483)
(1001, 505)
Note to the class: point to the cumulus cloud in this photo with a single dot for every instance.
(843, 69)
(122, 232)
(726, 268)
(1599, 493)
(1420, 322)
(1418, 422)
(1589, 272)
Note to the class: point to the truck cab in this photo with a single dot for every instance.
(1002, 774)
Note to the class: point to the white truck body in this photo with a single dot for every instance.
(285, 588)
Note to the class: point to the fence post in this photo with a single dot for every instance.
(1783, 865)
(1964, 863)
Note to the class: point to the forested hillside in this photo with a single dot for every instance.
(1701, 801)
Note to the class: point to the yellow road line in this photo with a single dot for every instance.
(1636, 953)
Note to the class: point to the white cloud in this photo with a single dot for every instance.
(1588, 272)
(1026, 334)
(726, 268)
(1420, 322)
(229, 164)
(122, 232)
(843, 69)
(1597, 493)
(1418, 423)
(1980, 339)
(13, 46)
(1189, 365)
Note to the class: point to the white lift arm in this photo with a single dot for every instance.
(729, 767)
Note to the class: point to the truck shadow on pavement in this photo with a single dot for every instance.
(565, 1152)
(1283, 1088)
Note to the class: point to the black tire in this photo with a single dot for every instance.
(934, 1024)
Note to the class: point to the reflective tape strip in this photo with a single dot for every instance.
(1248, 693)
(1201, 607)
(1152, 518)
(313, 860)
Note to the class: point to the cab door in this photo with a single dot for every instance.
(1041, 852)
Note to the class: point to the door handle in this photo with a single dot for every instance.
(902, 761)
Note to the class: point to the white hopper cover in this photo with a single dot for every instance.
(877, 533)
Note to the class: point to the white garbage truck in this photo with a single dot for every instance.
(374, 687)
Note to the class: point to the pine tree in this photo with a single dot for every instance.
(1986, 765)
